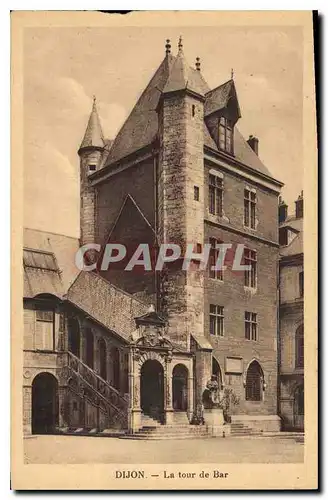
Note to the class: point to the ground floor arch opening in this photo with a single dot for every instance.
(180, 388)
(254, 382)
(152, 389)
(299, 407)
(44, 404)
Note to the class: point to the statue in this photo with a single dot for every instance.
(211, 395)
(215, 398)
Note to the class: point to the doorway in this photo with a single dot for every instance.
(152, 389)
(44, 404)
(180, 388)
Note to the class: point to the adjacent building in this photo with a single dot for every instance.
(291, 312)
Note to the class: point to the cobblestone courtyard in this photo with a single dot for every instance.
(80, 449)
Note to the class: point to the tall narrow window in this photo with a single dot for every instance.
(251, 326)
(89, 347)
(214, 254)
(215, 195)
(249, 208)
(216, 320)
(299, 347)
(301, 283)
(250, 259)
(283, 236)
(196, 193)
(44, 330)
(225, 135)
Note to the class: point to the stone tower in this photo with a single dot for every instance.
(181, 194)
(90, 153)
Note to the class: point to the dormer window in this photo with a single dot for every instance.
(225, 135)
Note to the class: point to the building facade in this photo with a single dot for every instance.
(291, 265)
(145, 344)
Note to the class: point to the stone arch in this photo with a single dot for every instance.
(150, 355)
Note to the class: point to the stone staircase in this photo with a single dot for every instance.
(240, 429)
(180, 428)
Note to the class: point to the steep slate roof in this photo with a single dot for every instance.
(217, 98)
(182, 77)
(49, 262)
(141, 126)
(242, 151)
(107, 304)
(93, 135)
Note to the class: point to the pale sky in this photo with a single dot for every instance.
(64, 67)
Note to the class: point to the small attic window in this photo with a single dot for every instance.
(92, 168)
(193, 109)
(225, 134)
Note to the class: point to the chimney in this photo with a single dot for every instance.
(253, 142)
(299, 206)
(282, 210)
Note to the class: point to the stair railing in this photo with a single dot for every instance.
(101, 387)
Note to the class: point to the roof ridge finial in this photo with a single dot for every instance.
(168, 46)
(180, 46)
(231, 73)
(197, 63)
(93, 102)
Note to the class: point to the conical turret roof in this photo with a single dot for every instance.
(93, 136)
(183, 77)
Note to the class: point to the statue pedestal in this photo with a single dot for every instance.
(215, 422)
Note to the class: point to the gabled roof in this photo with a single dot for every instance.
(218, 98)
(293, 223)
(93, 136)
(295, 247)
(150, 318)
(49, 262)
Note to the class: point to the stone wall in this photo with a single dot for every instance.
(236, 298)
(181, 217)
